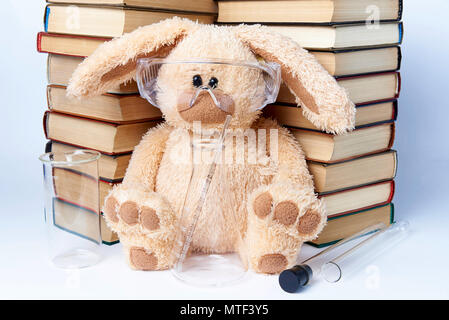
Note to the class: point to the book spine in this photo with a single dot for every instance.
(395, 170)
(46, 17)
(392, 212)
(400, 9)
(394, 116)
(399, 58)
(401, 32)
(399, 83)
(49, 57)
(393, 190)
(38, 42)
(45, 123)
(49, 102)
(392, 136)
(48, 146)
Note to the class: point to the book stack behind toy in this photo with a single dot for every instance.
(113, 123)
(356, 41)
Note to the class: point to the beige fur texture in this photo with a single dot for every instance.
(272, 199)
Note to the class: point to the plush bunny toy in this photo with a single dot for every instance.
(277, 208)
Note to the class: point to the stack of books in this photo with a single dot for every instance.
(357, 41)
(113, 123)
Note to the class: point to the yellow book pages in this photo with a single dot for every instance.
(76, 187)
(105, 137)
(206, 6)
(305, 11)
(61, 67)
(343, 226)
(355, 62)
(82, 222)
(381, 86)
(107, 107)
(342, 36)
(106, 21)
(110, 168)
(292, 116)
(322, 147)
(356, 199)
(353, 173)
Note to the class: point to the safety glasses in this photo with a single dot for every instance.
(253, 84)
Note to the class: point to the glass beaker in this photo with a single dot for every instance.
(71, 207)
(210, 234)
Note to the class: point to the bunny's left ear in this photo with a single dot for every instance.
(323, 101)
(114, 62)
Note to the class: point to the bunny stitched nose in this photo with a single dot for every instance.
(205, 105)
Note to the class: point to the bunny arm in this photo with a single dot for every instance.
(284, 213)
(324, 102)
(143, 219)
(146, 158)
(141, 173)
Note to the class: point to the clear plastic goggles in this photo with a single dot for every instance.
(228, 83)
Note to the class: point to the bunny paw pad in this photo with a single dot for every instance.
(287, 213)
(272, 263)
(140, 259)
(131, 214)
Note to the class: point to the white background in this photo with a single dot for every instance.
(417, 268)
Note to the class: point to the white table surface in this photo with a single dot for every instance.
(415, 268)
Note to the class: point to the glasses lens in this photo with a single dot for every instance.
(251, 85)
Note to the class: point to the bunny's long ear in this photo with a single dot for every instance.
(114, 62)
(323, 101)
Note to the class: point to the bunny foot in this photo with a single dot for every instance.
(146, 226)
(281, 218)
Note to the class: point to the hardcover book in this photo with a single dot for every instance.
(306, 11)
(317, 38)
(357, 199)
(81, 221)
(328, 148)
(366, 115)
(67, 44)
(106, 137)
(343, 36)
(361, 89)
(110, 168)
(107, 21)
(340, 227)
(353, 173)
(107, 107)
(68, 183)
(341, 63)
(61, 67)
(205, 6)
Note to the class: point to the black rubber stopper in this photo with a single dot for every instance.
(292, 279)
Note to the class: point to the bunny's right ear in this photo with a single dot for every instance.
(114, 62)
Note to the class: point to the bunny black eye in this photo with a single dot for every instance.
(197, 81)
(213, 82)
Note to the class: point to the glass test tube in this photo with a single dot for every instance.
(298, 276)
(364, 252)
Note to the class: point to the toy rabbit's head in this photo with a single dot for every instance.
(195, 72)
